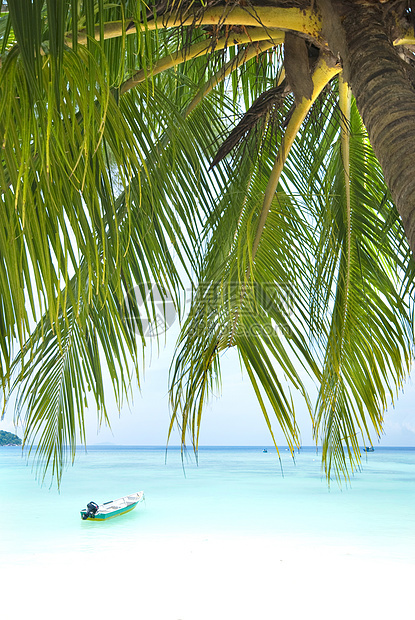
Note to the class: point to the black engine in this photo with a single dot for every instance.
(91, 509)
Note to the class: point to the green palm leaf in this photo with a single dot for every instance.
(110, 117)
(358, 316)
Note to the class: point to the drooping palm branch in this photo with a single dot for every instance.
(110, 118)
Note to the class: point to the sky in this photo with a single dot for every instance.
(234, 418)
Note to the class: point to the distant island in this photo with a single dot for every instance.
(8, 439)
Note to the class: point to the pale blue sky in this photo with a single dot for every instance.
(234, 418)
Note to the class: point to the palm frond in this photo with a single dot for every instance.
(359, 319)
(110, 115)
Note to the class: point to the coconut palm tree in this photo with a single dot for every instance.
(261, 151)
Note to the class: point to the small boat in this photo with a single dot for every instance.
(368, 449)
(114, 508)
(264, 450)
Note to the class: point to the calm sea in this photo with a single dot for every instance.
(235, 491)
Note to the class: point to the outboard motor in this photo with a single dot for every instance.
(91, 510)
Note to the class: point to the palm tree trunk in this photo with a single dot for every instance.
(381, 84)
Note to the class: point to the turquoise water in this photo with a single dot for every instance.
(232, 492)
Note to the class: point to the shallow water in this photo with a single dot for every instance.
(232, 492)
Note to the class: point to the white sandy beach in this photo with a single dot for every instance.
(192, 578)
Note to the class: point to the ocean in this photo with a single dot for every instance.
(238, 496)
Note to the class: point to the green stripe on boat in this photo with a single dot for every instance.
(111, 509)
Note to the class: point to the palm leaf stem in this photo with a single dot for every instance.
(197, 50)
(345, 99)
(345, 111)
(321, 77)
(299, 20)
(311, 25)
(241, 58)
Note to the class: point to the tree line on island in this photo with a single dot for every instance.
(9, 439)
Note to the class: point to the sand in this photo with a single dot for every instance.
(196, 578)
